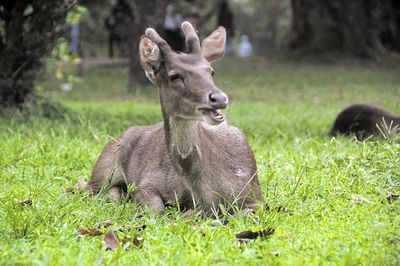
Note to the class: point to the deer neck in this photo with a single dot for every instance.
(181, 135)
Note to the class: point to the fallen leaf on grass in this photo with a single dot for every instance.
(105, 224)
(137, 241)
(358, 198)
(395, 241)
(27, 202)
(130, 228)
(88, 232)
(276, 253)
(248, 236)
(392, 197)
(254, 235)
(111, 240)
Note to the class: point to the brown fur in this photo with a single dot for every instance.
(364, 121)
(185, 158)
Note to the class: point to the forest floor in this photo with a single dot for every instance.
(328, 197)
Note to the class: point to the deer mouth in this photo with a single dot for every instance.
(214, 114)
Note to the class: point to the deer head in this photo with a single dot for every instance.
(185, 80)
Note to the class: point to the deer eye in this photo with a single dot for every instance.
(174, 77)
(212, 73)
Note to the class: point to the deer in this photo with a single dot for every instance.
(366, 121)
(194, 158)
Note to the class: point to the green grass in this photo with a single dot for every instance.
(285, 109)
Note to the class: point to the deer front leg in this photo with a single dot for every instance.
(116, 194)
(149, 199)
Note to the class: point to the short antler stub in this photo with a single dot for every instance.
(191, 38)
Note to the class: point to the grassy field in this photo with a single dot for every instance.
(326, 196)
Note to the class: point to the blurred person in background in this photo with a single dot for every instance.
(245, 47)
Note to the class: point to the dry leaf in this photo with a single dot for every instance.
(27, 202)
(276, 253)
(243, 241)
(105, 224)
(254, 235)
(395, 241)
(127, 239)
(266, 233)
(88, 232)
(358, 198)
(247, 235)
(130, 228)
(277, 209)
(136, 241)
(111, 240)
(392, 197)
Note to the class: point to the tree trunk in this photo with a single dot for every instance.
(349, 27)
(31, 28)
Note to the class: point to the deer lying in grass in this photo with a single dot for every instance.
(365, 121)
(194, 157)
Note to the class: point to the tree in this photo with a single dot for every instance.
(266, 22)
(364, 28)
(29, 29)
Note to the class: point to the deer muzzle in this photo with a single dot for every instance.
(216, 101)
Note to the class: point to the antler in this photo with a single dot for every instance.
(162, 44)
(191, 38)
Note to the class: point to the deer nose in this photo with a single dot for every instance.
(218, 100)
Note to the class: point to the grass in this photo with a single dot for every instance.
(285, 109)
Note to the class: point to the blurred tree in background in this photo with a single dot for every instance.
(362, 28)
(266, 22)
(125, 22)
(28, 32)
(30, 28)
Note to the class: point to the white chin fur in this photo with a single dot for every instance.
(211, 121)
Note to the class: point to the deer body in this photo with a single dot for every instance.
(193, 157)
(364, 121)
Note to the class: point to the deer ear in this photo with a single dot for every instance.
(150, 58)
(213, 47)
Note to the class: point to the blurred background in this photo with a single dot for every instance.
(71, 38)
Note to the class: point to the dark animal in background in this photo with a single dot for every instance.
(194, 157)
(118, 24)
(365, 121)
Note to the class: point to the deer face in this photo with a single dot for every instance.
(187, 88)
